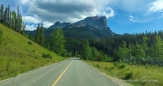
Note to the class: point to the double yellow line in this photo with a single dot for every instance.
(61, 74)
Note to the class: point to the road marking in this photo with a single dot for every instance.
(61, 74)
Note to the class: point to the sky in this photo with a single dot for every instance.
(123, 16)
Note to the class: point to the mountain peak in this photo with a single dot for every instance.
(57, 23)
(97, 21)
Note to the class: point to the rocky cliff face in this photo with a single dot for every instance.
(96, 21)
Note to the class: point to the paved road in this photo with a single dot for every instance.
(72, 72)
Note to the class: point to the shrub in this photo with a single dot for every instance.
(34, 51)
(128, 76)
(121, 66)
(29, 43)
(44, 55)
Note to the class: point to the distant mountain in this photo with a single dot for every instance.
(58, 24)
(89, 28)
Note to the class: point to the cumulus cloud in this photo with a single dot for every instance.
(68, 10)
(156, 6)
(33, 21)
(30, 27)
(30, 19)
(110, 14)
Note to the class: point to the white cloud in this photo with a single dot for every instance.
(156, 6)
(108, 15)
(131, 17)
(30, 19)
(68, 10)
(47, 24)
(26, 1)
(132, 20)
(30, 27)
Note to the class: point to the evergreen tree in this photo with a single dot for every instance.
(41, 41)
(1, 12)
(58, 41)
(39, 35)
(23, 28)
(13, 20)
(5, 16)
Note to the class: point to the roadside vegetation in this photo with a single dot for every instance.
(133, 58)
(137, 75)
(19, 54)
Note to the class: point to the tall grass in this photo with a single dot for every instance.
(19, 54)
(137, 75)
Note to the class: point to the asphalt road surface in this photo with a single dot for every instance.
(71, 72)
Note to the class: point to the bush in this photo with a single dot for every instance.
(29, 43)
(121, 66)
(128, 76)
(44, 55)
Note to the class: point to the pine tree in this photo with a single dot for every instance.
(5, 16)
(1, 13)
(41, 41)
(13, 20)
(23, 28)
(37, 34)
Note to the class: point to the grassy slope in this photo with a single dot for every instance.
(17, 56)
(141, 75)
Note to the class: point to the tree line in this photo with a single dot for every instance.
(142, 48)
(12, 19)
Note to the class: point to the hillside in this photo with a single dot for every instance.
(19, 54)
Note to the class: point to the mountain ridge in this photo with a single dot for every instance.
(88, 28)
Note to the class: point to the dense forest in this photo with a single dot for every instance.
(142, 48)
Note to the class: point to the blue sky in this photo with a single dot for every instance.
(124, 16)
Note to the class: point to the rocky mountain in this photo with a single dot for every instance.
(88, 28)
(58, 24)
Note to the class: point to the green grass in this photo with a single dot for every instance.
(19, 54)
(136, 75)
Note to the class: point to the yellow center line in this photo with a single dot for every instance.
(61, 74)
